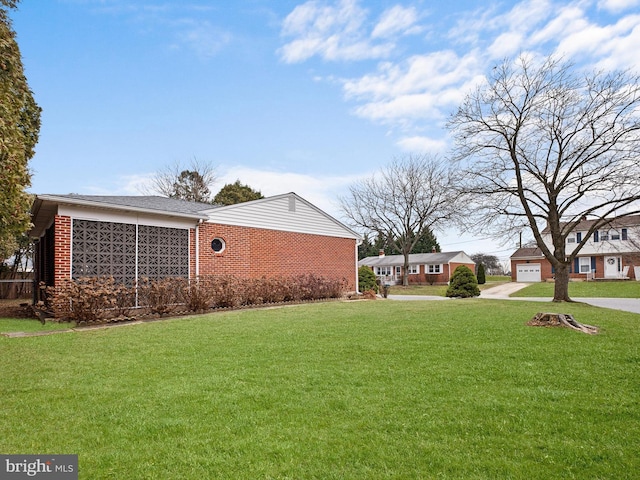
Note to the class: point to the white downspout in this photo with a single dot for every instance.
(358, 243)
(198, 248)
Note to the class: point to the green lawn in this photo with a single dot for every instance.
(441, 290)
(622, 289)
(30, 325)
(360, 390)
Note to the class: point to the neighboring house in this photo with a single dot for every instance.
(130, 237)
(611, 252)
(423, 267)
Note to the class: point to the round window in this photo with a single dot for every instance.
(217, 245)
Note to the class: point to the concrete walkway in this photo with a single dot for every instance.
(502, 292)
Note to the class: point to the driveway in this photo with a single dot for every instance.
(502, 292)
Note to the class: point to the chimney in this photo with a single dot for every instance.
(433, 249)
(381, 253)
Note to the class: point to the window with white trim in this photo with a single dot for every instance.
(413, 269)
(585, 264)
(434, 269)
(380, 271)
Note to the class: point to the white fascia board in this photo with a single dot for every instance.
(63, 200)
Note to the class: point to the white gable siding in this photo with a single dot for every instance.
(602, 247)
(461, 257)
(286, 212)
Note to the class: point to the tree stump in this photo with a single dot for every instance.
(561, 320)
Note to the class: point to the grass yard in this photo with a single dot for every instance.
(359, 390)
(441, 290)
(621, 289)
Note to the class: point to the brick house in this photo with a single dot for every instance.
(424, 268)
(611, 252)
(131, 237)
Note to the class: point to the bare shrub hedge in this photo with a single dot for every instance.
(102, 299)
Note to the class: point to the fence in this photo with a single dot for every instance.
(16, 288)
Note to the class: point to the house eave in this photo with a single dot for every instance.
(40, 223)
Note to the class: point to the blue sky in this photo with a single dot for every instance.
(282, 95)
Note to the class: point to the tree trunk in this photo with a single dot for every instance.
(561, 289)
(405, 271)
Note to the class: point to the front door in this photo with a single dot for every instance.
(611, 267)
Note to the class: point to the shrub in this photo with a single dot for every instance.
(160, 296)
(431, 278)
(87, 300)
(369, 295)
(197, 293)
(463, 283)
(124, 299)
(481, 277)
(226, 292)
(100, 299)
(367, 279)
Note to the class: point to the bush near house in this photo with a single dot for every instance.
(101, 299)
(463, 283)
(367, 279)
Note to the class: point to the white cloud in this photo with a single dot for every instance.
(334, 32)
(610, 46)
(567, 20)
(617, 6)
(417, 92)
(621, 51)
(397, 19)
(136, 184)
(341, 31)
(423, 87)
(420, 144)
(506, 45)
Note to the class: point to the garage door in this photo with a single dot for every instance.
(528, 272)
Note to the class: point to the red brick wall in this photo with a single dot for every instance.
(547, 274)
(470, 266)
(255, 252)
(62, 249)
(441, 278)
(545, 268)
(249, 252)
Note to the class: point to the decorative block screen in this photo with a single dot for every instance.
(163, 252)
(109, 249)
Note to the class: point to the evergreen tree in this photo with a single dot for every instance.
(367, 279)
(463, 283)
(367, 248)
(481, 277)
(19, 130)
(233, 193)
(426, 243)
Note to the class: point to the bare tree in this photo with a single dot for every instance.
(191, 183)
(542, 146)
(404, 202)
(490, 262)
